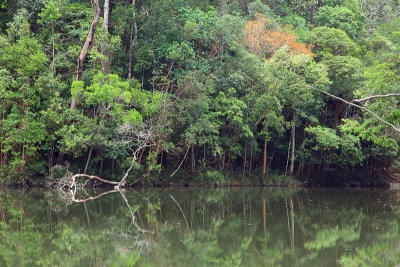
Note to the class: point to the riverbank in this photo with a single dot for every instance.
(216, 179)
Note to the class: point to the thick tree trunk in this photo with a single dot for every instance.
(86, 46)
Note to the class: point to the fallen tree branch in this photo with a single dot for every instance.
(141, 137)
(73, 179)
(352, 104)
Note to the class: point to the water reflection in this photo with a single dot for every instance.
(199, 227)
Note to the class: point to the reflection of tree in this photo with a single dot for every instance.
(113, 239)
(379, 254)
(200, 228)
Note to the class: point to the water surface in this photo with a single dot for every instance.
(201, 227)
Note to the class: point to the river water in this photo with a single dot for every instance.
(201, 227)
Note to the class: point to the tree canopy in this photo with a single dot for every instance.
(249, 87)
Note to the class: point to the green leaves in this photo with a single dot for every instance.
(50, 13)
(342, 18)
(181, 52)
(325, 137)
(332, 41)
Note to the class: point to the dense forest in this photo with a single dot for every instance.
(191, 90)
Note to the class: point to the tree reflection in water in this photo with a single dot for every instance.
(200, 228)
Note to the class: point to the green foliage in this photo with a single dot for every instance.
(340, 18)
(325, 137)
(377, 255)
(259, 7)
(197, 87)
(332, 41)
(50, 13)
(346, 74)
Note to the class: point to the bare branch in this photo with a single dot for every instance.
(73, 178)
(352, 104)
(181, 163)
(375, 96)
(136, 138)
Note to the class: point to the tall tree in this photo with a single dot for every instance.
(86, 47)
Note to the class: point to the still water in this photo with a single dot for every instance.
(201, 227)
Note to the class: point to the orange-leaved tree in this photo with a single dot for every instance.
(263, 40)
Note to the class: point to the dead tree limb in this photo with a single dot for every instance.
(352, 104)
(93, 177)
(135, 137)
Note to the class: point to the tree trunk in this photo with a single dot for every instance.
(244, 159)
(82, 57)
(88, 159)
(53, 52)
(301, 164)
(106, 64)
(264, 169)
(106, 13)
(293, 144)
(133, 39)
(86, 46)
(251, 158)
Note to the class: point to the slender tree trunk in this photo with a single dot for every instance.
(264, 169)
(133, 39)
(2, 154)
(86, 46)
(245, 159)
(301, 164)
(53, 52)
(88, 159)
(293, 144)
(251, 158)
(204, 156)
(193, 159)
(106, 64)
(288, 154)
